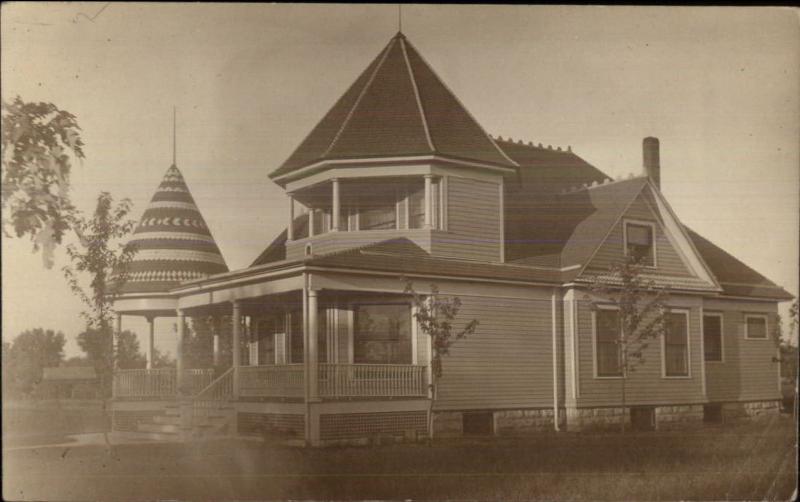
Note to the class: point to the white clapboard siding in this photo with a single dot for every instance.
(747, 372)
(473, 228)
(645, 385)
(506, 363)
(669, 261)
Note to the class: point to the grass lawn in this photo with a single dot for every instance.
(744, 462)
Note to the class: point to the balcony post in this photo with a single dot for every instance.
(150, 341)
(179, 351)
(290, 228)
(237, 349)
(313, 349)
(428, 201)
(336, 212)
(115, 341)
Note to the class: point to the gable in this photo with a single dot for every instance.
(668, 261)
(677, 262)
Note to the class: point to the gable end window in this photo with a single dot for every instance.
(640, 242)
(608, 355)
(675, 345)
(712, 337)
(755, 327)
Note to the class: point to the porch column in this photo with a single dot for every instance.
(237, 349)
(313, 350)
(428, 201)
(215, 331)
(290, 228)
(179, 350)
(150, 341)
(311, 213)
(336, 205)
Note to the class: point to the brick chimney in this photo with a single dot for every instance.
(652, 163)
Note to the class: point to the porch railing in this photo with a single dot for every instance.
(158, 383)
(372, 380)
(285, 380)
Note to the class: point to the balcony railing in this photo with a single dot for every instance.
(372, 380)
(158, 383)
(278, 381)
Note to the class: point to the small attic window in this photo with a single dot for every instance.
(640, 242)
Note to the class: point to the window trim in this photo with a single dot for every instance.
(688, 375)
(353, 305)
(594, 345)
(721, 336)
(644, 223)
(766, 326)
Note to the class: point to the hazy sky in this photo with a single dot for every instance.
(718, 86)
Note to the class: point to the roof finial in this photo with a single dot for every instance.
(400, 18)
(174, 135)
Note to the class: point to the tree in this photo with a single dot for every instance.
(27, 356)
(94, 343)
(105, 260)
(642, 312)
(39, 143)
(435, 315)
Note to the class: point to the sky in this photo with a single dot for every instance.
(718, 86)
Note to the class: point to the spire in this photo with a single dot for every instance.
(174, 135)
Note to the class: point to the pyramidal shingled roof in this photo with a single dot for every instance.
(397, 107)
(172, 240)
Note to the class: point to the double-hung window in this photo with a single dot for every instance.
(640, 242)
(608, 354)
(712, 337)
(676, 345)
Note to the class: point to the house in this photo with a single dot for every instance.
(69, 382)
(399, 180)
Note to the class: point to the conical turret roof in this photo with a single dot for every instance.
(397, 107)
(172, 240)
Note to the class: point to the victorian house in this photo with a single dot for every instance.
(398, 181)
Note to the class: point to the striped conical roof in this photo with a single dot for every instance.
(172, 240)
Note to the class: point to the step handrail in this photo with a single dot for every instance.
(211, 387)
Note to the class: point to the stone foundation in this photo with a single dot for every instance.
(513, 422)
(448, 424)
(750, 410)
(596, 419)
(679, 416)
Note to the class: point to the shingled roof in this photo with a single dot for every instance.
(172, 240)
(397, 107)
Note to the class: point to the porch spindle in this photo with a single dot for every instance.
(150, 341)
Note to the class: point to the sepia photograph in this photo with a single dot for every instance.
(399, 252)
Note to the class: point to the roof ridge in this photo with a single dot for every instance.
(595, 184)
(416, 93)
(457, 100)
(367, 84)
(530, 144)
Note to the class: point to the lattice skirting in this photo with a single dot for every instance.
(251, 424)
(365, 425)
(128, 420)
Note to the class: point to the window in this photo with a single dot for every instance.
(755, 327)
(265, 333)
(608, 356)
(639, 242)
(676, 345)
(416, 204)
(712, 337)
(382, 334)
